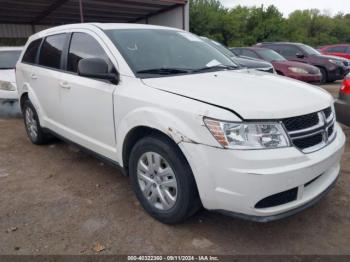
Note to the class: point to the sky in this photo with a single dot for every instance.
(288, 6)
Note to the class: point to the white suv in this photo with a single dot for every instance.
(8, 59)
(187, 127)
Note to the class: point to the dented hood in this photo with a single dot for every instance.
(253, 95)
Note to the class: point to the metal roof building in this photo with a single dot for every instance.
(21, 18)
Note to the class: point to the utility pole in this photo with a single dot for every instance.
(81, 11)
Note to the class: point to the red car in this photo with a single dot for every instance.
(342, 104)
(297, 70)
(342, 50)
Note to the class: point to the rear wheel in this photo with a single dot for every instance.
(34, 131)
(162, 180)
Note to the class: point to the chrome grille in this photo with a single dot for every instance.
(311, 132)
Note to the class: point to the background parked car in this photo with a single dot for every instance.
(342, 104)
(8, 59)
(243, 62)
(296, 70)
(332, 68)
(336, 50)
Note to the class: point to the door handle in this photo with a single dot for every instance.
(65, 85)
(33, 76)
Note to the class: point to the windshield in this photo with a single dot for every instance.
(162, 51)
(219, 47)
(270, 55)
(309, 50)
(8, 59)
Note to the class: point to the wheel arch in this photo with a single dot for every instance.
(22, 99)
(325, 70)
(131, 138)
(139, 132)
(179, 127)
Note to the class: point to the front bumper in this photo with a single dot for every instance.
(338, 73)
(342, 109)
(265, 219)
(234, 181)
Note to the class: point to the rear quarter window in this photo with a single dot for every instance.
(31, 52)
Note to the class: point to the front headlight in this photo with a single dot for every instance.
(298, 70)
(7, 86)
(247, 135)
(336, 62)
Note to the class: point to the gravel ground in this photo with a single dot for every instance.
(58, 200)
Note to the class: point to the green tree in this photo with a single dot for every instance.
(241, 26)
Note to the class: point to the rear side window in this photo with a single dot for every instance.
(51, 51)
(84, 46)
(31, 52)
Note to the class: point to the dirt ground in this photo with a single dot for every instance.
(58, 200)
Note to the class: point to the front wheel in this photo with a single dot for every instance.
(34, 131)
(162, 180)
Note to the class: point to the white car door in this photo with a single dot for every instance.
(44, 80)
(87, 102)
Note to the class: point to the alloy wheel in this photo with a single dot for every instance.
(31, 123)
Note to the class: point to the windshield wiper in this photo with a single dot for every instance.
(164, 71)
(216, 67)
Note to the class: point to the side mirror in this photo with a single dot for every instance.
(299, 55)
(96, 68)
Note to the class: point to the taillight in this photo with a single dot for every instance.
(346, 86)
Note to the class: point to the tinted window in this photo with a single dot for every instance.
(51, 51)
(8, 59)
(337, 49)
(309, 50)
(289, 51)
(270, 55)
(248, 53)
(236, 51)
(275, 48)
(31, 52)
(84, 46)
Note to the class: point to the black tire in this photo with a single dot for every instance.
(42, 137)
(324, 76)
(187, 202)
